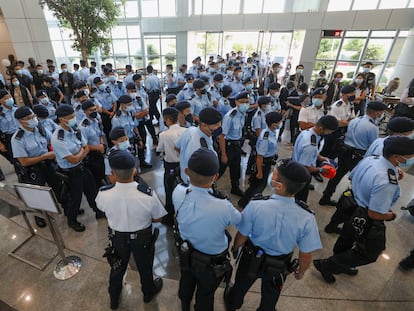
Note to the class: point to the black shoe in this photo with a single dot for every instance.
(114, 301)
(332, 229)
(318, 177)
(81, 211)
(144, 164)
(326, 274)
(40, 222)
(157, 289)
(407, 263)
(243, 153)
(77, 226)
(1, 175)
(237, 191)
(327, 201)
(311, 187)
(348, 271)
(227, 305)
(99, 215)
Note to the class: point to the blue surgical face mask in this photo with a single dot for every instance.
(102, 86)
(379, 119)
(44, 100)
(16, 83)
(9, 102)
(249, 87)
(220, 85)
(206, 87)
(32, 123)
(112, 78)
(19, 72)
(229, 73)
(72, 122)
(240, 75)
(299, 71)
(123, 145)
(243, 107)
(366, 69)
(190, 85)
(317, 102)
(408, 162)
(129, 108)
(359, 81)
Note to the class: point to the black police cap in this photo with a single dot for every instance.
(88, 104)
(329, 122)
(273, 117)
(204, 162)
(274, 86)
(400, 145)
(180, 106)
(188, 76)
(40, 93)
(121, 160)
(169, 111)
(131, 86)
(348, 89)
(264, 100)
(205, 79)
(218, 77)
(209, 116)
(40, 110)
(237, 68)
(3, 93)
(293, 171)
(136, 77)
(170, 97)
(124, 99)
(242, 95)
(97, 80)
(319, 91)
(80, 94)
(227, 90)
(64, 110)
(247, 80)
(117, 132)
(400, 125)
(198, 84)
(21, 112)
(377, 106)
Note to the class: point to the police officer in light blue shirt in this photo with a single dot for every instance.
(236, 84)
(306, 150)
(8, 124)
(199, 100)
(398, 126)
(196, 137)
(271, 228)
(49, 104)
(117, 87)
(71, 148)
(224, 104)
(202, 215)
(361, 134)
(216, 88)
(171, 80)
(129, 75)
(375, 188)
(188, 91)
(43, 116)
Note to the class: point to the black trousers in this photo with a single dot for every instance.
(107, 126)
(253, 155)
(256, 185)
(233, 150)
(96, 164)
(144, 259)
(346, 163)
(270, 288)
(204, 284)
(171, 174)
(153, 98)
(303, 194)
(6, 141)
(150, 127)
(81, 181)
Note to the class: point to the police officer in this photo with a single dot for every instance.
(170, 100)
(35, 163)
(202, 216)
(369, 79)
(216, 89)
(266, 153)
(306, 150)
(188, 91)
(153, 87)
(107, 99)
(308, 116)
(185, 117)
(43, 99)
(43, 116)
(8, 124)
(236, 84)
(70, 148)
(274, 93)
(397, 126)
(199, 101)
(375, 187)
(166, 145)
(131, 208)
(230, 141)
(117, 87)
(171, 80)
(224, 104)
(195, 137)
(361, 134)
(91, 130)
(270, 230)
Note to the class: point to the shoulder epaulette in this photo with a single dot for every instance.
(218, 194)
(203, 142)
(145, 189)
(19, 134)
(85, 122)
(233, 113)
(338, 104)
(313, 140)
(118, 113)
(61, 134)
(259, 196)
(192, 96)
(304, 206)
(392, 177)
(41, 130)
(266, 135)
(259, 112)
(106, 187)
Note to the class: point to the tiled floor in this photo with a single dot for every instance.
(379, 286)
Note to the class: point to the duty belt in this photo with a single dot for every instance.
(231, 142)
(130, 235)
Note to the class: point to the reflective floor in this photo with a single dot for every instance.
(379, 286)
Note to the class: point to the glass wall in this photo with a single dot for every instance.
(348, 53)
(346, 5)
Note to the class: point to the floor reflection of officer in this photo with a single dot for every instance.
(202, 217)
(270, 230)
(70, 149)
(30, 148)
(266, 151)
(375, 188)
(131, 208)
